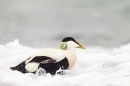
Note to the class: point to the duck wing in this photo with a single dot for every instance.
(47, 58)
(43, 59)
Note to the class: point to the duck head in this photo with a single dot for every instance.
(69, 42)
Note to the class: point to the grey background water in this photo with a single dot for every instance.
(43, 23)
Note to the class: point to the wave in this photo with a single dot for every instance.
(95, 66)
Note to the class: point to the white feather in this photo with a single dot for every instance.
(58, 56)
(49, 52)
(72, 44)
(32, 67)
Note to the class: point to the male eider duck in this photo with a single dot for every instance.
(51, 60)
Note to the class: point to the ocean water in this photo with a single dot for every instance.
(44, 23)
(95, 66)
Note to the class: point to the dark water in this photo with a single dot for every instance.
(43, 23)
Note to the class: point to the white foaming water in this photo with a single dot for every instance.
(95, 66)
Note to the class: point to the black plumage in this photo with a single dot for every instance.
(47, 63)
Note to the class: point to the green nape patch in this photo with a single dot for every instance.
(63, 46)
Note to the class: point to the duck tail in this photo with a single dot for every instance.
(20, 67)
(14, 68)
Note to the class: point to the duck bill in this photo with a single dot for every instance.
(80, 45)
